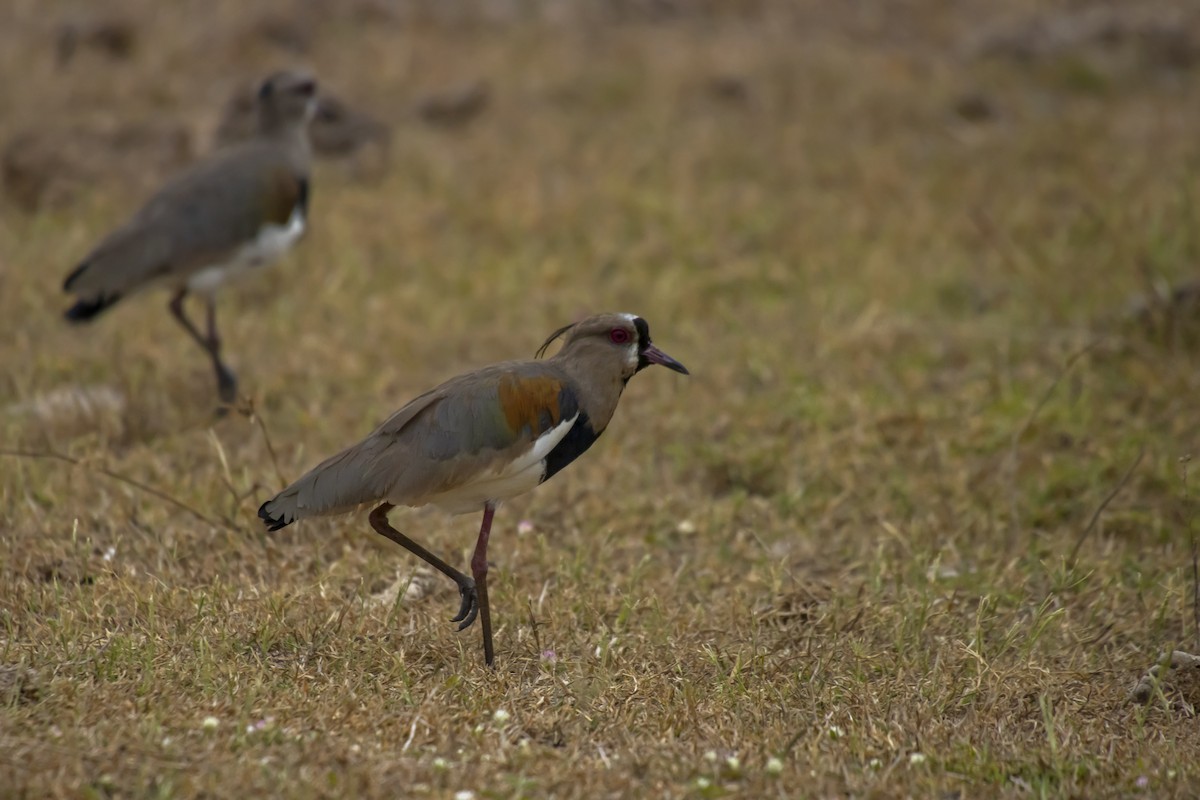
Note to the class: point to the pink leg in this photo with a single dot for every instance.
(479, 569)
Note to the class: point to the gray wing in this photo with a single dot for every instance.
(461, 430)
(347, 480)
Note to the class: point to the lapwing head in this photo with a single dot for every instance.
(614, 342)
(287, 98)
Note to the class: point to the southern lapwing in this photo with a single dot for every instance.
(233, 212)
(479, 439)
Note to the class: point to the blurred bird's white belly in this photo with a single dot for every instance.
(266, 248)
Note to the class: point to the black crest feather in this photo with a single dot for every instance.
(546, 344)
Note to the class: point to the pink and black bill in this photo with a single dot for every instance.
(649, 354)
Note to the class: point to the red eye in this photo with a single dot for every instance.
(619, 336)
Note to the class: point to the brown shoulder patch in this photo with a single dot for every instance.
(530, 402)
(280, 195)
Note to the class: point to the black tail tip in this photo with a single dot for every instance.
(85, 310)
(272, 523)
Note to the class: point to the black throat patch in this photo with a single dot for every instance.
(573, 445)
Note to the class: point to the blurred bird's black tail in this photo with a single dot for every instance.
(88, 307)
(85, 310)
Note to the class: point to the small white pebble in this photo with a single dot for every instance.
(733, 764)
(774, 765)
(500, 715)
(686, 526)
(916, 758)
(109, 553)
(835, 732)
(711, 756)
(464, 794)
(250, 729)
(1171, 774)
(355, 749)
(166, 742)
(703, 783)
(874, 763)
(439, 763)
(210, 723)
(478, 729)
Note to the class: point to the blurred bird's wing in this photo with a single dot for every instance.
(198, 219)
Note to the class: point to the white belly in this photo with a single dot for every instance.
(266, 248)
(472, 496)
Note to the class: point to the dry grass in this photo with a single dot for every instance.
(845, 543)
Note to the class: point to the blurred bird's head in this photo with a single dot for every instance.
(287, 99)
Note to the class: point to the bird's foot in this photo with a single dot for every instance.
(470, 605)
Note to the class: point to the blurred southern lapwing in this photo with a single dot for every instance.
(479, 439)
(233, 212)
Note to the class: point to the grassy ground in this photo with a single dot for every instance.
(857, 553)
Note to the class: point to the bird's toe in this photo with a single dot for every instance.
(469, 608)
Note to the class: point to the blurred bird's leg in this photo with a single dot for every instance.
(466, 586)
(226, 380)
(479, 569)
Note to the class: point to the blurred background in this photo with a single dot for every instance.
(789, 174)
